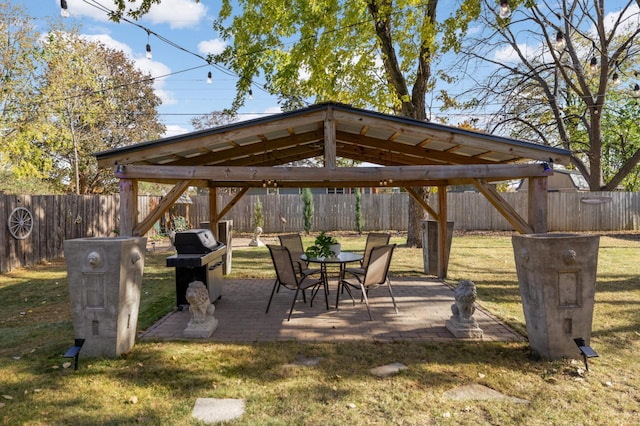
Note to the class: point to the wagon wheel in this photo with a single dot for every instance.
(20, 223)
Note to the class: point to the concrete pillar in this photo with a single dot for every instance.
(105, 280)
(557, 280)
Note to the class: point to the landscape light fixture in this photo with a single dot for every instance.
(585, 350)
(64, 11)
(560, 41)
(505, 10)
(209, 78)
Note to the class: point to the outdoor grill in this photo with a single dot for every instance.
(199, 258)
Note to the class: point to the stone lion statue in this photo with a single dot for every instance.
(465, 295)
(199, 304)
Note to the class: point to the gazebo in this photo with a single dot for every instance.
(409, 153)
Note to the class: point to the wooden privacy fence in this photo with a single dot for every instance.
(60, 217)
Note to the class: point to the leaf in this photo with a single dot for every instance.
(7, 397)
(66, 365)
(132, 400)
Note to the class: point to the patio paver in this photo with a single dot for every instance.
(424, 306)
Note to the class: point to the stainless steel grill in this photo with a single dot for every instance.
(199, 258)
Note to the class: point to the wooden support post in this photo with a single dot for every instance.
(443, 253)
(538, 201)
(329, 139)
(213, 210)
(128, 207)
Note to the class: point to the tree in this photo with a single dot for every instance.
(213, 119)
(373, 54)
(18, 56)
(307, 211)
(359, 220)
(90, 98)
(559, 89)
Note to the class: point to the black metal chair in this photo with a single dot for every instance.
(287, 277)
(374, 239)
(294, 243)
(375, 274)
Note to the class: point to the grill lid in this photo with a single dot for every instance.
(195, 241)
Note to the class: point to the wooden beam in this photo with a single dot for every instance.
(503, 207)
(329, 140)
(537, 204)
(213, 139)
(128, 207)
(443, 254)
(164, 204)
(422, 203)
(331, 176)
(231, 203)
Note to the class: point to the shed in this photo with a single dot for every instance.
(409, 153)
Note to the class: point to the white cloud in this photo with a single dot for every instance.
(211, 47)
(175, 130)
(109, 42)
(177, 13)
(80, 8)
(156, 70)
(507, 54)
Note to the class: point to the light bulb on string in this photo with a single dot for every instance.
(636, 90)
(615, 79)
(64, 11)
(505, 10)
(560, 41)
(593, 65)
(250, 94)
(148, 48)
(209, 78)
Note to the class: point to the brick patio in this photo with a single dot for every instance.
(424, 307)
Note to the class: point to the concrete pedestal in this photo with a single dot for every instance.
(557, 280)
(105, 280)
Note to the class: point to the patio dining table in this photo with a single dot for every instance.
(341, 259)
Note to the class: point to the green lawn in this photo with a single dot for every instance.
(158, 382)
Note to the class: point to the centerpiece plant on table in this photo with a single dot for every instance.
(323, 246)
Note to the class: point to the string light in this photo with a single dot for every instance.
(593, 65)
(64, 11)
(209, 78)
(505, 10)
(636, 90)
(560, 41)
(250, 94)
(615, 80)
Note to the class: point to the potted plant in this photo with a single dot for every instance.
(323, 246)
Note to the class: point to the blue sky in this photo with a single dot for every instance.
(187, 24)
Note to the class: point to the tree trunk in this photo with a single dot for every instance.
(416, 214)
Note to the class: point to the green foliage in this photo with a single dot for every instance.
(307, 211)
(82, 101)
(258, 219)
(321, 246)
(359, 219)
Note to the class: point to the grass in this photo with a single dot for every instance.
(158, 382)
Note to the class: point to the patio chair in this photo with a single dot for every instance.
(374, 239)
(287, 277)
(294, 243)
(375, 274)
